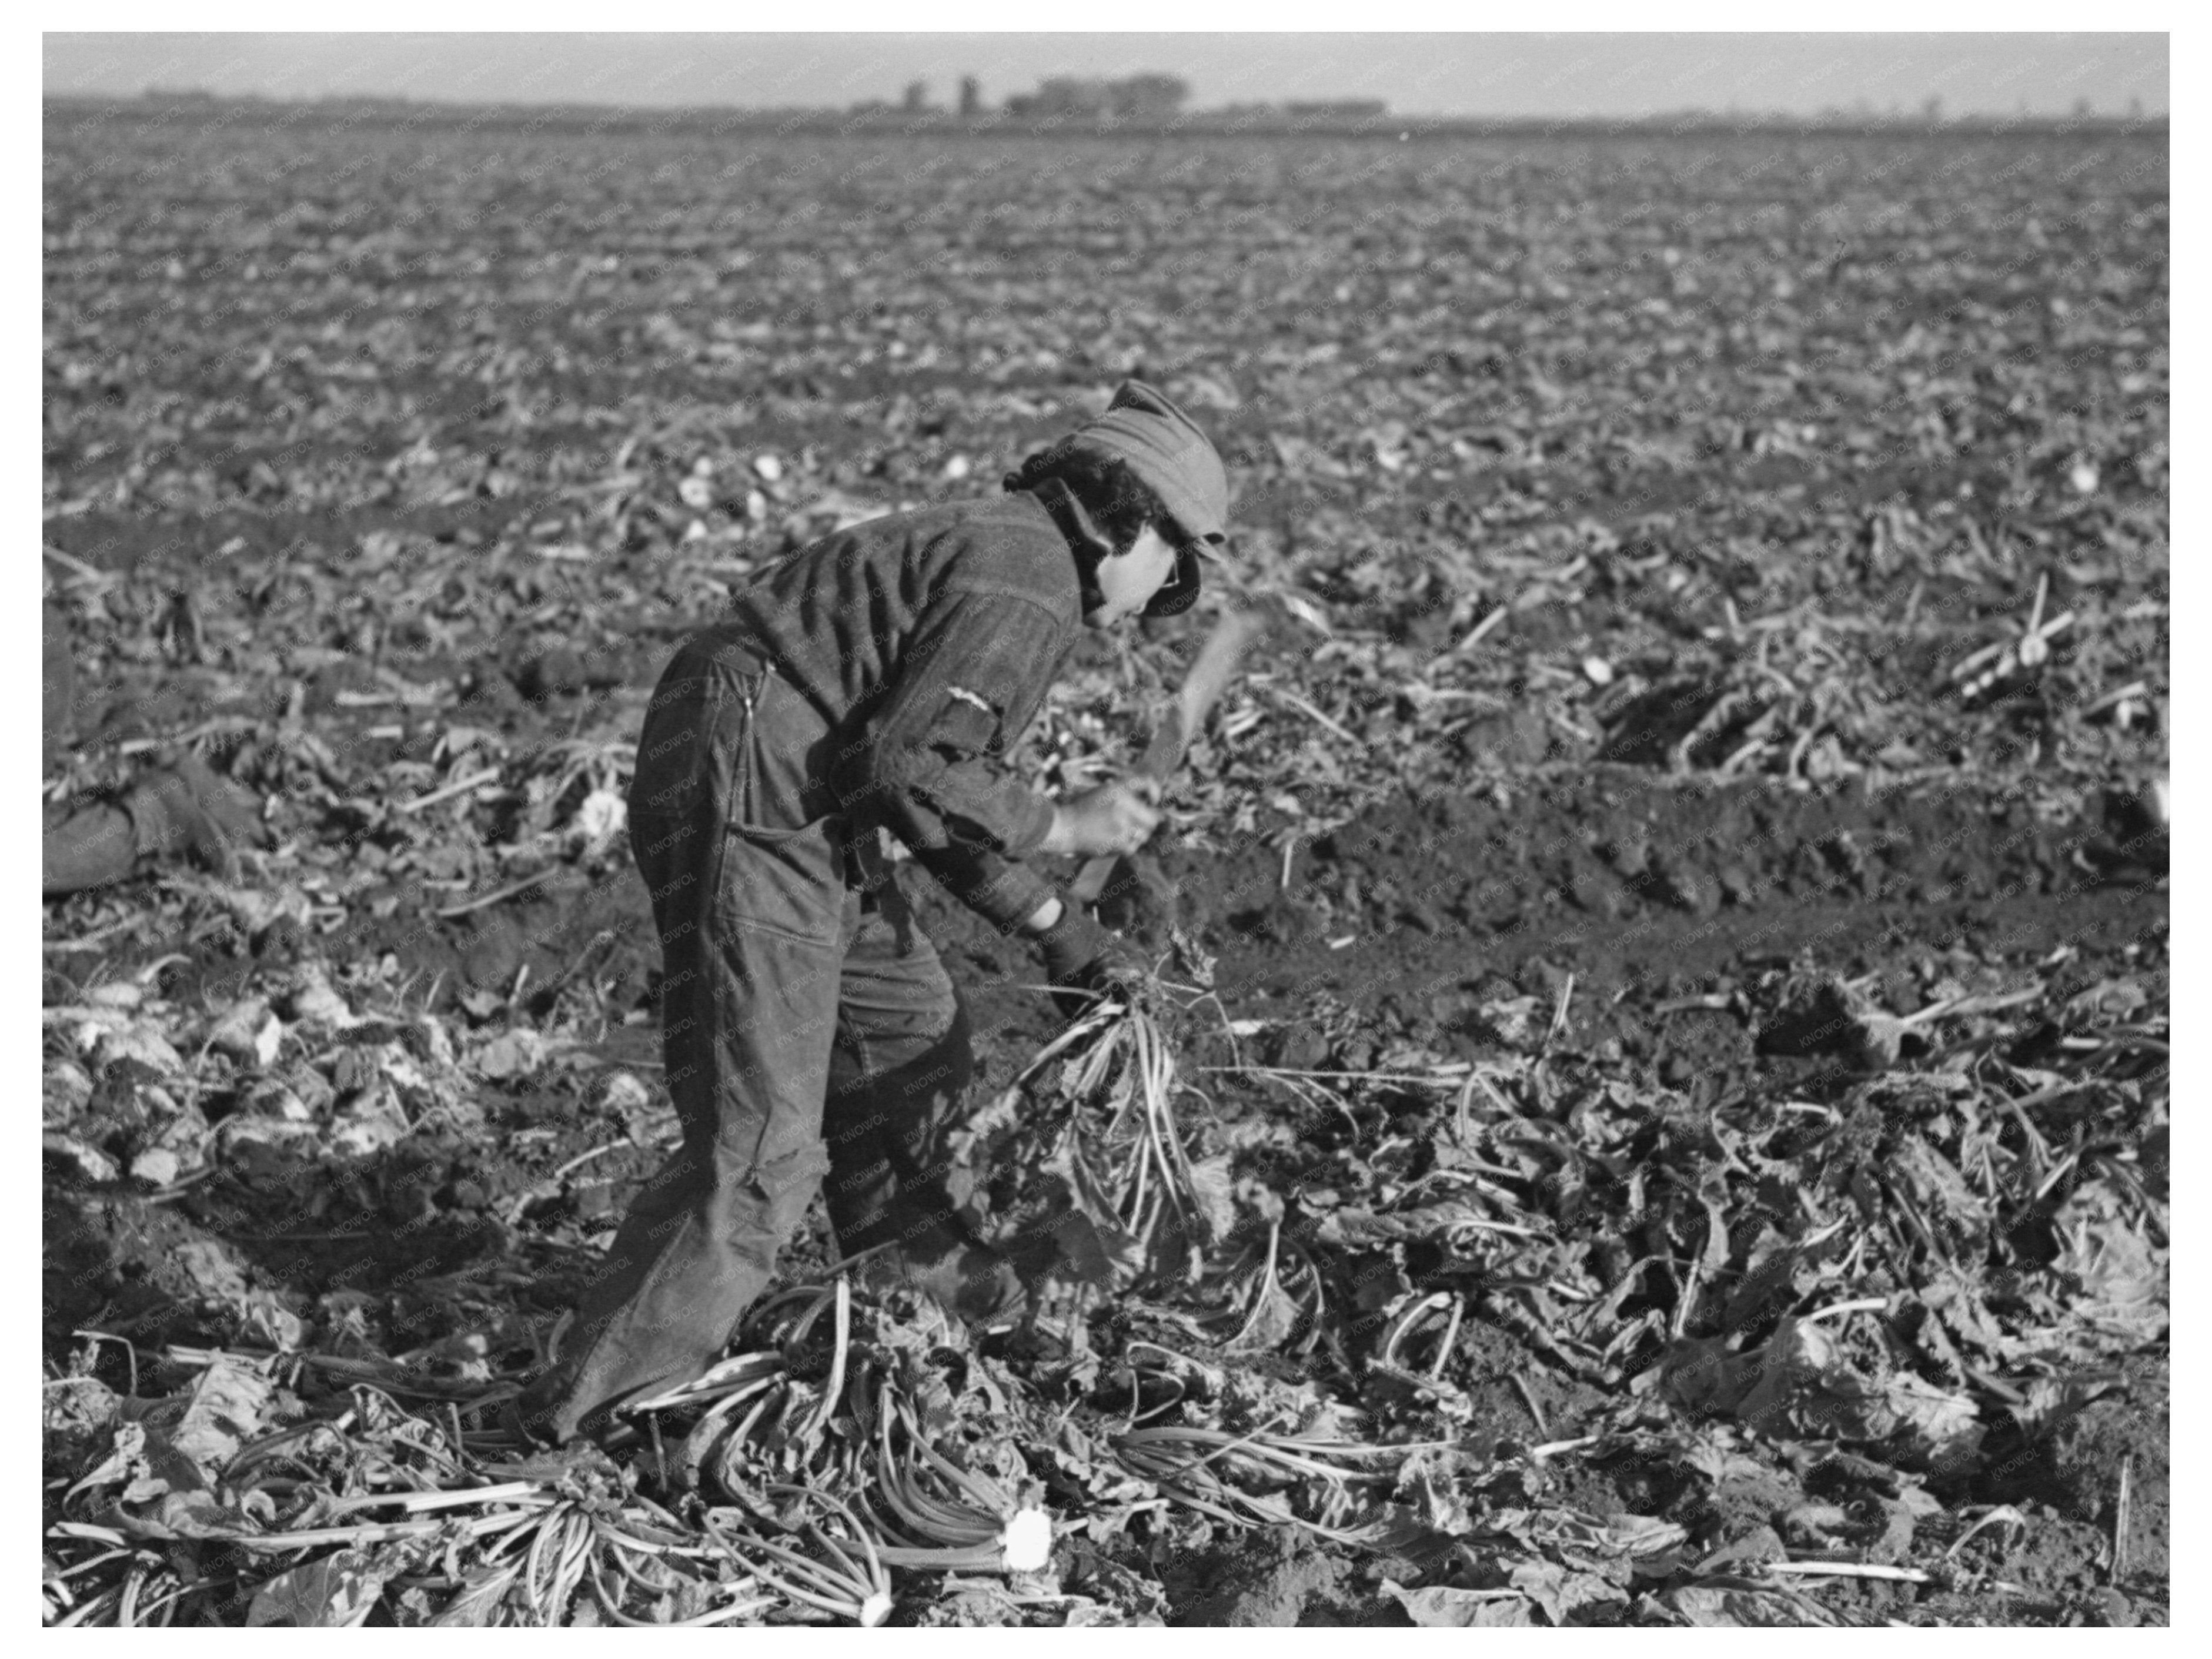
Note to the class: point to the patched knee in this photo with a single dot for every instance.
(790, 1180)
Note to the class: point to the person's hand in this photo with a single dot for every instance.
(1087, 962)
(1115, 818)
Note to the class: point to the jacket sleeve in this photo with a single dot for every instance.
(969, 682)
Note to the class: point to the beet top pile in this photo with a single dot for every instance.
(1655, 1102)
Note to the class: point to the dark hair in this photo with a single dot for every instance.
(1119, 502)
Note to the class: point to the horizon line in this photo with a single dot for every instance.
(1342, 109)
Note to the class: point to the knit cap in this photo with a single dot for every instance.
(1164, 447)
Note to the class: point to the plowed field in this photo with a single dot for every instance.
(1675, 927)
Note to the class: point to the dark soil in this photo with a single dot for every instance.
(1271, 1578)
(1645, 890)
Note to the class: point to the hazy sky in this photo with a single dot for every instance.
(1507, 75)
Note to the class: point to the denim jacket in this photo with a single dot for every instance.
(928, 640)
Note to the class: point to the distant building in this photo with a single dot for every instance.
(1136, 98)
(971, 95)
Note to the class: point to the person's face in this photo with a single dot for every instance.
(1126, 581)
